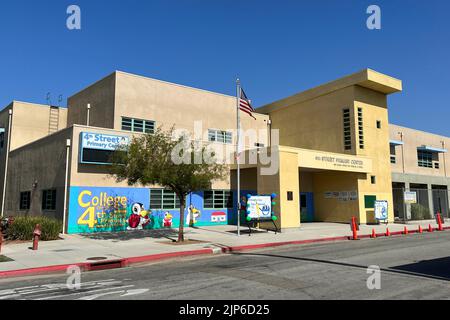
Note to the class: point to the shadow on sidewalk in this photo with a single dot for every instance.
(170, 234)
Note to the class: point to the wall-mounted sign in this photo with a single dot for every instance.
(381, 209)
(100, 141)
(97, 148)
(333, 161)
(259, 207)
(410, 197)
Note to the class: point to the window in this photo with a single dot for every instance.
(360, 128)
(25, 200)
(218, 199)
(436, 165)
(2, 140)
(373, 179)
(137, 125)
(393, 154)
(49, 200)
(163, 199)
(378, 124)
(425, 159)
(220, 136)
(347, 131)
(290, 196)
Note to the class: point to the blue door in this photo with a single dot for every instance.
(306, 207)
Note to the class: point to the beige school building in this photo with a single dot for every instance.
(335, 152)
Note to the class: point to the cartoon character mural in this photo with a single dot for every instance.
(218, 216)
(139, 217)
(168, 220)
(193, 213)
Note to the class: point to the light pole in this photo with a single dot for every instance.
(6, 162)
(66, 182)
(88, 113)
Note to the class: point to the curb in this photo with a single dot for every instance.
(125, 262)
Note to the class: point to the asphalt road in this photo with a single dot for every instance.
(412, 267)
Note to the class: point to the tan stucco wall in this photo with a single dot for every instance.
(413, 139)
(171, 104)
(314, 120)
(42, 162)
(101, 97)
(30, 122)
(376, 146)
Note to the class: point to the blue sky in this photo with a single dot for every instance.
(277, 48)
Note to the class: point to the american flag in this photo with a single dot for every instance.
(245, 104)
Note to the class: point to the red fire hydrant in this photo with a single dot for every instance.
(36, 235)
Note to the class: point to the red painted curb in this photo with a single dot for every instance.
(279, 244)
(41, 270)
(103, 265)
(169, 255)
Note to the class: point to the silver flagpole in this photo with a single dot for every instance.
(238, 96)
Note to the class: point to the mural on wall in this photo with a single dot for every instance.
(194, 214)
(109, 209)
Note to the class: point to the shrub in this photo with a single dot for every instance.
(22, 228)
(419, 212)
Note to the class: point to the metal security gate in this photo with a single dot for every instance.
(440, 201)
(423, 209)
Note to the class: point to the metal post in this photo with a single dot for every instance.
(6, 162)
(238, 97)
(66, 182)
(403, 152)
(443, 157)
(88, 113)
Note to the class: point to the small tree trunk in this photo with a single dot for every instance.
(181, 227)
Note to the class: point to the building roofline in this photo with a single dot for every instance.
(418, 130)
(367, 78)
(152, 79)
(174, 84)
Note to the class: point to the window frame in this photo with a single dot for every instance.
(226, 201)
(425, 159)
(145, 126)
(347, 131)
(220, 136)
(45, 200)
(27, 202)
(166, 196)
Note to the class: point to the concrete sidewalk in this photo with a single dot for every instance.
(139, 246)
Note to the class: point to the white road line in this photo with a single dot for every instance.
(85, 292)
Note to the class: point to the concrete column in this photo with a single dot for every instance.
(286, 180)
(430, 199)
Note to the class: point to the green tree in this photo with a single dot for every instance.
(173, 162)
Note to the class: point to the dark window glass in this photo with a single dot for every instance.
(218, 199)
(25, 200)
(425, 159)
(49, 200)
(163, 199)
